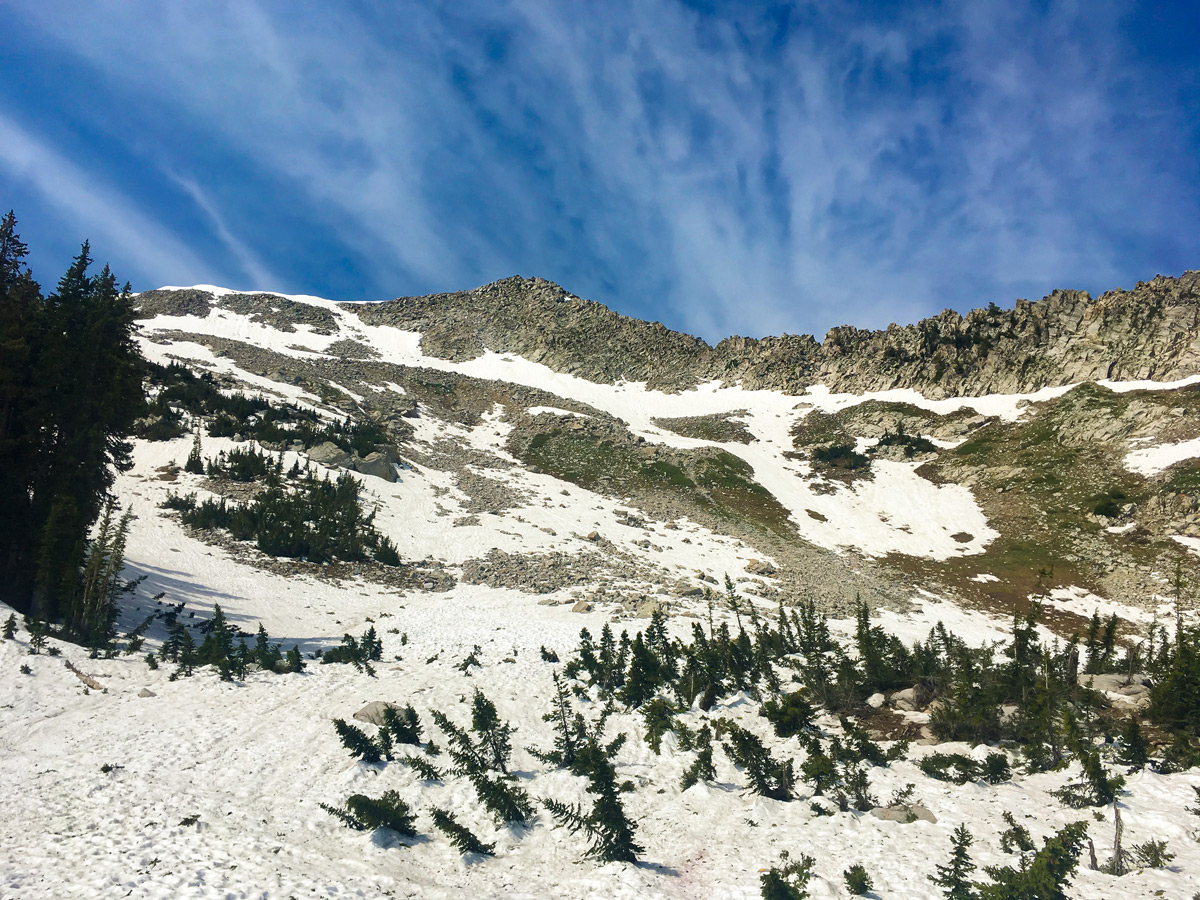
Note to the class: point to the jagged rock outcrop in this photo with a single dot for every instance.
(1150, 332)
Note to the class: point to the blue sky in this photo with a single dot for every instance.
(725, 168)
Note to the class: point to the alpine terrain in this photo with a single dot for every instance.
(499, 593)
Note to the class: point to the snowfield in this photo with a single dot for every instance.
(252, 762)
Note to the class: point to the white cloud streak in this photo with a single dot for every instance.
(110, 218)
(668, 163)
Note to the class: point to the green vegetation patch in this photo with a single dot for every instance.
(841, 457)
(714, 479)
(719, 428)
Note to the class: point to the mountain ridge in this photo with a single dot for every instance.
(1151, 332)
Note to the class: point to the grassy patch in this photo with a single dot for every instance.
(716, 428)
(718, 481)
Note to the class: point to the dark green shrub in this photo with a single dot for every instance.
(364, 813)
(360, 745)
(789, 880)
(956, 768)
(839, 456)
(766, 775)
(1151, 855)
(858, 882)
(1045, 875)
(789, 714)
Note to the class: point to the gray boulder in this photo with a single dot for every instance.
(328, 454)
(904, 814)
(376, 464)
(373, 711)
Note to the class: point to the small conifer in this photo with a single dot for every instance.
(354, 739)
(461, 836)
(364, 813)
(295, 662)
(187, 651)
(509, 804)
(858, 882)
(643, 678)
(954, 878)
(404, 726)
(766, 775)
(789, 880)
(195, 461)
(1135, 751)
(495, 737)
(702, 768)
(37, 635)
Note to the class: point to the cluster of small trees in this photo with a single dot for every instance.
(659, 676)
(481, 752)
(838, 456)
(358, 652)
(317, 519)
(912, 443)
(224, 647)
(1043, 873)
(174, 390)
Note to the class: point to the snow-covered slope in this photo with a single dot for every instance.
(897, 512)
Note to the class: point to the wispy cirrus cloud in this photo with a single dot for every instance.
(725, 170)
(72, 195)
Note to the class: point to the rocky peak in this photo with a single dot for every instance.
(1150, 332)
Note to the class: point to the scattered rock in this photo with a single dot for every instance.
(758, 567)
(684, 588)
(647, 609)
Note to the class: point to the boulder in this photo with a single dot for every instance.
(1116, 684)
(904, 814)
(373, 711)
(647, 608)
(146, 692)
(582, 606)
(376, 464)
(328, 454)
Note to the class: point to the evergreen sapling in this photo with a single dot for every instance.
(461, 836)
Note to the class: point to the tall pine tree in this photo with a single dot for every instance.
(70, 391)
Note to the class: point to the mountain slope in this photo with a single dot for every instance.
(740, 460)
(528, 502)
